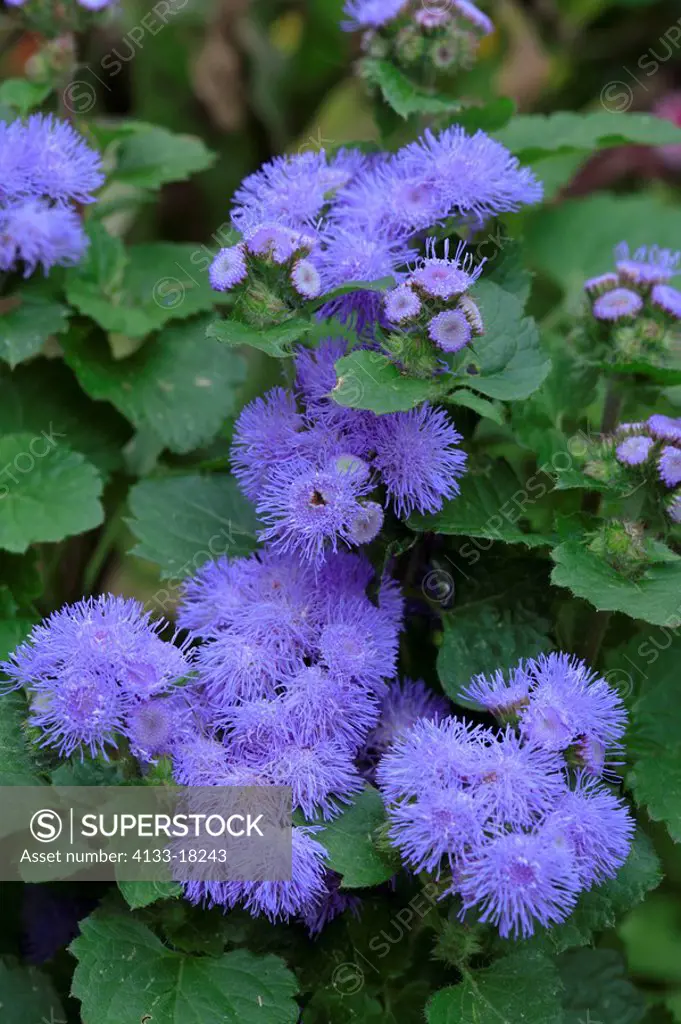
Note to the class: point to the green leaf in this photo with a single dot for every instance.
(656, 734)
(27, 319)
(490, 506)
(44, 396)
(47, 492)
(529, 135)
(275, 341)
(14, 623)
(19, 96)
(181, 522)
(600, 908)
(27, 996)
(404, 96)
(574, 240)
(654, 597)
(143, 894)
(469, 400)
(508, 359)
(484, 638)
(522, 988)
(369, 380)
(180, 385)
(119, 955)
(17, 766)
(489, 117)
(136, 291)
(597, 988)
(350, 840)
(149, 156)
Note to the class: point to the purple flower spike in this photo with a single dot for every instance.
(617, 304)
(450, 330)
(635, 450)
(446, 278)
(669, 466)
(403, 705)
(228, 268)
(668, 299)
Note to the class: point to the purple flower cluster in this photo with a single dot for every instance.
(98, 669)
(657, 442)
(290, 676)
(359, 215)
(45, 168)
(443, 37)
(517, 817)
(433, 297)
(642, 278)
(311, 467)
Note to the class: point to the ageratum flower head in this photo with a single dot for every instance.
(560, 703)
(404, 703)
(36, 233)
(419, 458)
(518, 878)
(371, 13)
(88, 666)
(46, 157)
(595, 826)
(292, 190)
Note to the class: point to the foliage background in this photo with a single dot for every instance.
(252, 79)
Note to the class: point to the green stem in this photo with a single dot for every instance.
(595, 636)
(97, 561)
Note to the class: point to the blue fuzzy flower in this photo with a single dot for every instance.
(634, 451)
(34, 232)
(432, 755)
(519, 782)
(669, 466)
(371, 13)
(404, 703)
(308, 510)
(419, 459)
(519, 878)
(319, 705)
(596, 827)
(359, 642)
(267, 433)
(292, 190)
(647, 265)
(440, 826)
(569, 702)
